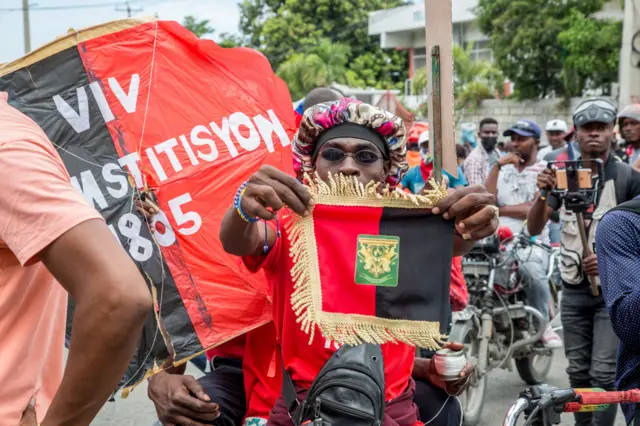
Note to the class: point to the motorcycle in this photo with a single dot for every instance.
(498, 326)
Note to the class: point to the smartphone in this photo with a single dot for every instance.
(561, 179)
(584, 179)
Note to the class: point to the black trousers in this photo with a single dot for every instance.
(225, 386)
(434, 407)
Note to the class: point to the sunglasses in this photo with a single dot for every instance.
(335, 155)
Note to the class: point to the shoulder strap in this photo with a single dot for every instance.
(622, 181)
(289, 393)
(630, 206)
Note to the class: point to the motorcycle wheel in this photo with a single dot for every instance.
(534, 368)
(472, 399)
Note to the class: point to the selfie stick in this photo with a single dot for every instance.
(587, 252)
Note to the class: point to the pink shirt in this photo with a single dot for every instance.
(37, 205)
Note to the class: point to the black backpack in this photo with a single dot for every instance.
(349, 390)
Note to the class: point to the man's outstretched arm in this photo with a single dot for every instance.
(112, 301)
(46, 219)
(267, 190)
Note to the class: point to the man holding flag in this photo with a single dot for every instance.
(352, 139)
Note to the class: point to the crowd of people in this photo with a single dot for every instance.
(48, 233)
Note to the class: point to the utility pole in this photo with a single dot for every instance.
(27, 30)
(439, 44)
(630, 58)
(129, 10)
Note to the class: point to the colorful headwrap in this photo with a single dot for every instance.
(321, 117)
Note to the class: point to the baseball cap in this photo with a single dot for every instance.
(595, 111)
(557, 126)
(525, 128)
(631, 111)
(424, 137)
(569, 135)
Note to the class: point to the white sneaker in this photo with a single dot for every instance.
(550, 339)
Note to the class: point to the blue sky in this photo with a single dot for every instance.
(46, 25)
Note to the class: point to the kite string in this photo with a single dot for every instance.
(87, 161)
(146, 109)
(162, 282)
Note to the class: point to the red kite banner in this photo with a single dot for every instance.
(149, 104)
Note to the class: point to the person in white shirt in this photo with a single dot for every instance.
(513, 180)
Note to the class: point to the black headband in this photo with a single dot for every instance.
(351, 130)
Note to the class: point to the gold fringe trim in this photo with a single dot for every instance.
(343, 190)
(306, 299)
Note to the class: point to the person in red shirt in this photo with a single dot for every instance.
(354, 139)
(244, 382)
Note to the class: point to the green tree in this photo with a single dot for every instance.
(284, 28)
(591, 49)
(199, 27)
(474, 80)
(229, 40)
(524, 37)
(323, 65)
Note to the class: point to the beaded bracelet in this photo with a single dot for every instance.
(237, 202)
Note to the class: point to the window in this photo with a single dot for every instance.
(481, 51)
(419, 51)
(418, 15)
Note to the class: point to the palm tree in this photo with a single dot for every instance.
(324, 64)
(473, 80)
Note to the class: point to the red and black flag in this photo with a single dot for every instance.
(372, 268)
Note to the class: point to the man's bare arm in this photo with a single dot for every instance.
(492, 180)
(540, 212)
(241, 238)
(539, 215)
(518, 211)
(267, 191)
(112, 302)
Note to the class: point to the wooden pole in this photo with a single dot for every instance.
(439, 43)
(436, 122)
(587, 252)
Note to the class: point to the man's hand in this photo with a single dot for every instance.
(29, 416)
(271, 188)
(511, 158)
(546, 180)
(473, 209)
(426, 369)
(590, 265)
(146, 208)
(181, 400)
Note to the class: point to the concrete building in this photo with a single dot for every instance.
(403, 28)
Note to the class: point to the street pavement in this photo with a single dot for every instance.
(502, 390)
